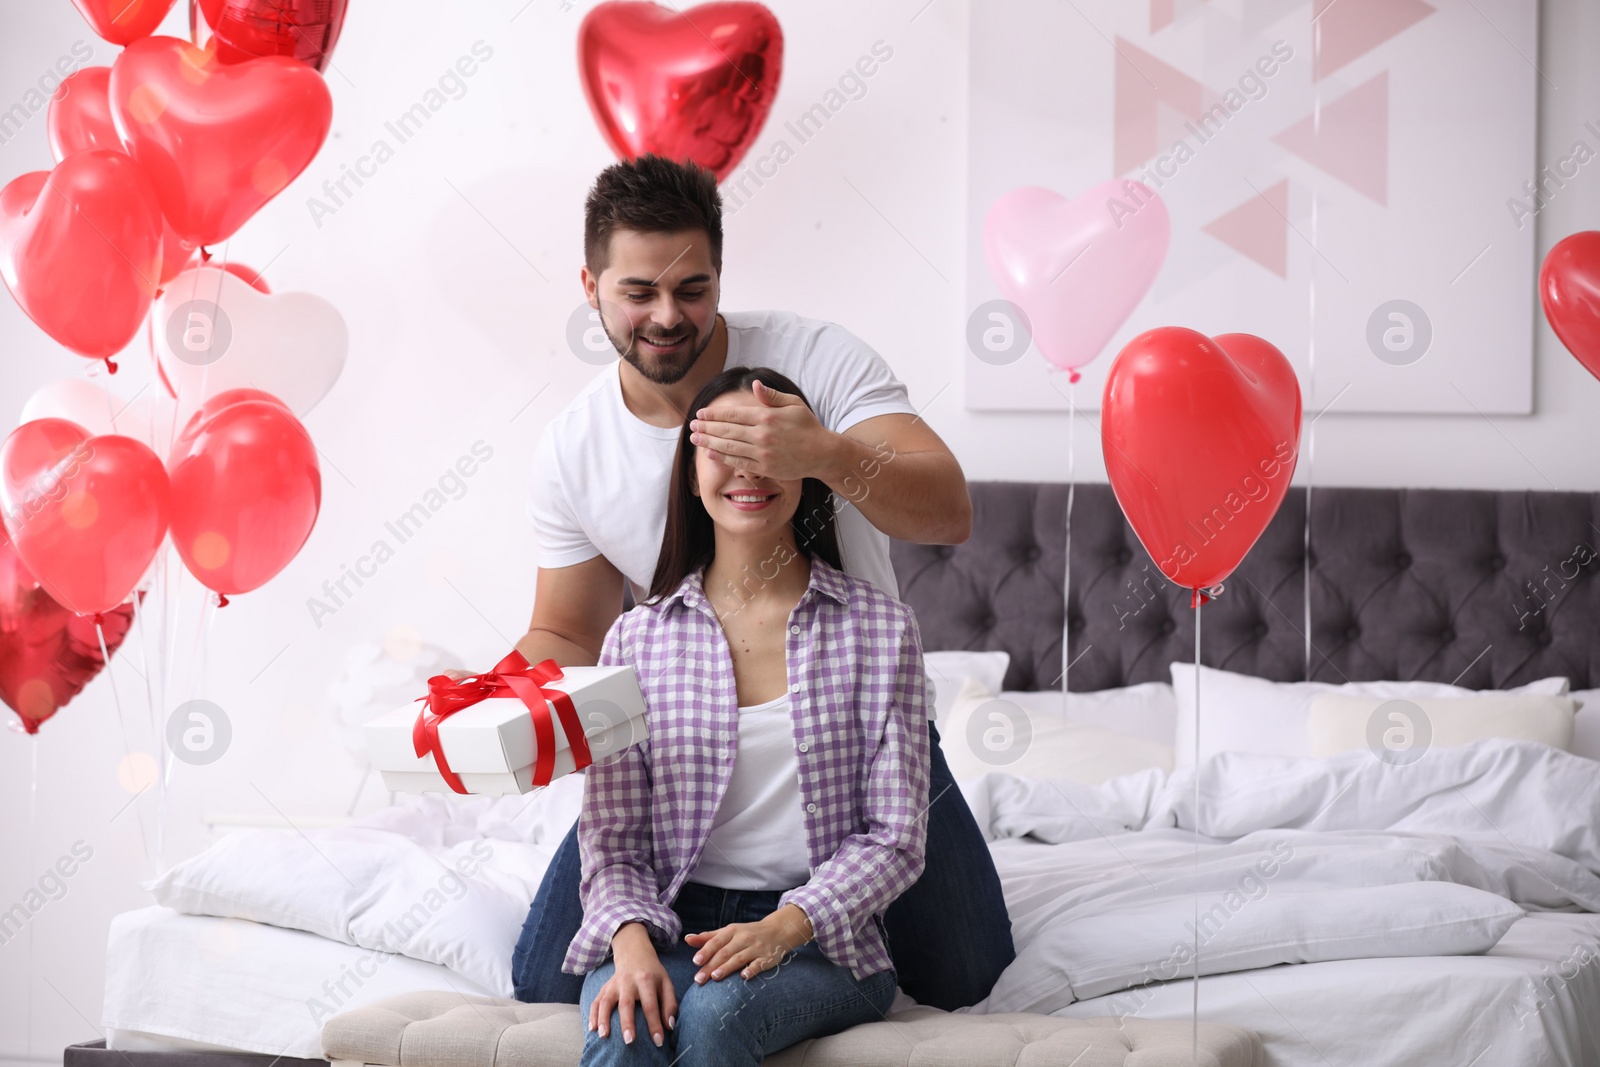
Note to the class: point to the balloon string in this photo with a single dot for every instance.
(155, 360)
(175, 601)
(205, 648)
(1066, 566)
(144, 659)
(198, 650)
(148, 662)
(33, 847)
(1195, 1007)
(116, 699)
(1311, 344)
(221, 263)
(211, 339)
(164, 755)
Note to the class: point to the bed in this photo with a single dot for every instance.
(1485, 590)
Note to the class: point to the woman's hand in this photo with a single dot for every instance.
(750, 948)
(639, 979)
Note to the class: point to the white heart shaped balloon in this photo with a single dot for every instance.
(150, 417)
(214, 331)
(74, 399)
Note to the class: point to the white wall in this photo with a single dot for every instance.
(458, 334)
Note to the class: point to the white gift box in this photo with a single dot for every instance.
(490, 745)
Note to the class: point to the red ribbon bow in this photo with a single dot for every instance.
(446, 697)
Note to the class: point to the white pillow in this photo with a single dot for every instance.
(1146, 710)
(1242, 713)
(950, 670)
(440, 880)
(1025, 734)
(1103, 954)
(1586, 724)
(1340, 723)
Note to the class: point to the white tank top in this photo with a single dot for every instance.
(758, 837)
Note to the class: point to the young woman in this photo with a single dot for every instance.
(737, 863)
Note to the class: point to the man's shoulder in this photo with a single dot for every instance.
(588, 403)
(779, 330)
(768, 319)
(823, 358)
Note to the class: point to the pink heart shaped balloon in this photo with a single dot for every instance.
(1077, 268)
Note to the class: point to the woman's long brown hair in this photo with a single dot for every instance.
(690, 540)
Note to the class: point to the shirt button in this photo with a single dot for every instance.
(804, 747)
(794, 629)
(795, 688)
(811, 807)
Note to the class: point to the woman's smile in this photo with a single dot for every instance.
(750, 501)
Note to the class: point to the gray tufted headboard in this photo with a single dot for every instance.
(1486, 589)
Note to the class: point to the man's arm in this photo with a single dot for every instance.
(573, 608)
(893, 467)
(903, 478)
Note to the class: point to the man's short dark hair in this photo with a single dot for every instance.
(650, 194)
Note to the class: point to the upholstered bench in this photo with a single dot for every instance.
(457, 1030)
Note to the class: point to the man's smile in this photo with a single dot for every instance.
(663, 345)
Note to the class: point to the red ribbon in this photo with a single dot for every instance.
(446, 697)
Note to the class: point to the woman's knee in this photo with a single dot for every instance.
(878, 990)
(719, 1011)
(612, 1048)
(613, 1051)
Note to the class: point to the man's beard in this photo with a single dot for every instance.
(662, 370)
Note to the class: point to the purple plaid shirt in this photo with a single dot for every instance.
(859, 696)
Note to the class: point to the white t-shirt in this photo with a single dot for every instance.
(758, 837)
(600, 474)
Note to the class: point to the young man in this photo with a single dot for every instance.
(653, 265)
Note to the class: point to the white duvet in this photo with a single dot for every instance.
(1299, 860)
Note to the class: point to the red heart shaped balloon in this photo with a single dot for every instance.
(218, 141)
(124, 21)
(694, 84)
(246, 490)
(79, 118)
(86, 513)
(1569, 289)
(47, 654)
(80, 249)
(1201, 437)
(305, 30)
(80, 121)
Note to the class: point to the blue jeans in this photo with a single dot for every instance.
(949, 934)
(736, 1021)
